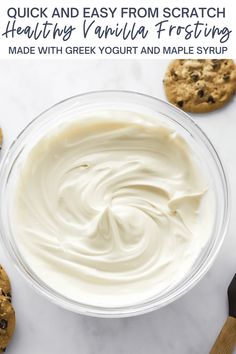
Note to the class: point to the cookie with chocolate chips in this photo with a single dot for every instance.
(7, 322)
(5, 286)
(200, 85)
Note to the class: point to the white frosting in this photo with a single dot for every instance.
(110, 211)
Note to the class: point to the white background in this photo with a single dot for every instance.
(187, 326)
(151, 40)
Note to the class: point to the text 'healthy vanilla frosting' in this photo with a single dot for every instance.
(110, 211)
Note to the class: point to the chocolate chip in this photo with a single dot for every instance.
(3, 323)
(180, 103)
(226, 77)
(4, 349)
(215, 66)
(173, 73)
(200, 93)
(194, 77)
(8, 294)
(210, 99)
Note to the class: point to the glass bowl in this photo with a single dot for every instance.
(73, 108)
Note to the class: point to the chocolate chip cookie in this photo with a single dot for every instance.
(5, 286)
(7, 322)
(200, 85)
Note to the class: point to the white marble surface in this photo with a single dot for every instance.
(187, 326)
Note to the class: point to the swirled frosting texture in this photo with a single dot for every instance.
(111, 212)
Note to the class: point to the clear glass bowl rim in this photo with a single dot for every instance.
(131, 310)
